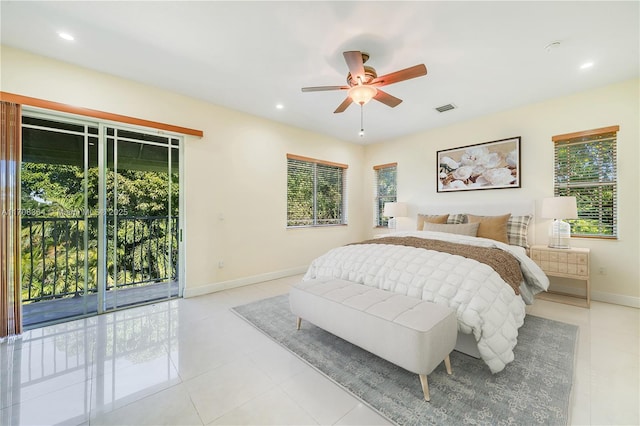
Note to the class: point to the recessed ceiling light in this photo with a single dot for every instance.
(586, 65)
(279, 106)
(66, 36)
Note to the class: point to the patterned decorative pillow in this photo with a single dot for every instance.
(518, 230)
(431, 218)
(455, 219)
(470, 229)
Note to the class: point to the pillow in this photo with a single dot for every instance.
(518, 230)
(470, 229)
(431, 218)
(457, 218)
(492, 227)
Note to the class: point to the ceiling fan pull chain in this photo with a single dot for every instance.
(361, 134)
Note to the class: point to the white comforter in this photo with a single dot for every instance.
(485, 304)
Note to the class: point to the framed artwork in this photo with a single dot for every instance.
(488, 165)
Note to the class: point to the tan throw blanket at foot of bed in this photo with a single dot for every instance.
(505, 264)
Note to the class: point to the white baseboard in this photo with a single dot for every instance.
(616, 299)
(601, 296)
(240, 282)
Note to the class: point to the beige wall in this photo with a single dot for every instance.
(237, 172)
(235, 176)
(617, 104)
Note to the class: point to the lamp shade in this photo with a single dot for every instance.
(395, 209)
(559, 208)
(362, 94)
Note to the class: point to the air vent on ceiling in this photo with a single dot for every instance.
(446, 107)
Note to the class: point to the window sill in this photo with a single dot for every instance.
(597, 237)
(317, 226)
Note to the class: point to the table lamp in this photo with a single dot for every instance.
(394, 210)
(559, 208)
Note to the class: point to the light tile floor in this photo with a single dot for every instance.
(194, 362)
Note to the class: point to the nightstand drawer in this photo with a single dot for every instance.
(564, 268)
(580, 258)
(569, 262)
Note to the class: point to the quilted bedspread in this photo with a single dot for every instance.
(485, 305)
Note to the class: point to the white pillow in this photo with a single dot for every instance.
(470, 229)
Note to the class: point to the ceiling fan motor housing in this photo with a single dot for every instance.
(369, 75)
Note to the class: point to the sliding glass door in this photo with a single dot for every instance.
(100, 217)
(141, 220)
(59, 180)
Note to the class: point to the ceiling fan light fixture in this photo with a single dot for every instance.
(362, 94)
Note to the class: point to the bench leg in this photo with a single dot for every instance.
(298, 323)
(425, 386)
(425, 383)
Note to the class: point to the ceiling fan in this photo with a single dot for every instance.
(364, 83)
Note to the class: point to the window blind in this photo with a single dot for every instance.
(384, 190)
(585, 167)
(316, 192)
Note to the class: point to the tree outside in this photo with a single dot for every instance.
(53, 228)
(314, 194)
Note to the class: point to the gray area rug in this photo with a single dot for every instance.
(533, 389)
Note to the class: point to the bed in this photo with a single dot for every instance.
(448, 266)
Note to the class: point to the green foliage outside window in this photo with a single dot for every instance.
(386, 192)
(586, 168)
(53, 251)
(315, 194)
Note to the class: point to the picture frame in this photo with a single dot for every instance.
(487, 165)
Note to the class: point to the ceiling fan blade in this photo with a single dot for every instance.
(343, 105)
(324, 88)
(355, 64)
(405, 74)
(387, 99)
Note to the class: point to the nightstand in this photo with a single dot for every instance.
(567, 263)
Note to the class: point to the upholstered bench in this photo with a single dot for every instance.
(411, 333)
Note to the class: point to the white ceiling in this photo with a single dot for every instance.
(481, 56)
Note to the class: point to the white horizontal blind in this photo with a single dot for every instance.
(315, 192)
(585, 167)
(385, 191)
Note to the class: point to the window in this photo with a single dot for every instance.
(585, 167)
(385, 191)
(315, 192)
